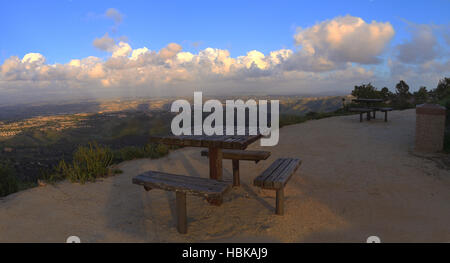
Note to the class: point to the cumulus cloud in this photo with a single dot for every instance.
(114, 14)
(170, 51)
(345, 39)
(423, 46)
(332, 55)
(121, 50)
(104, 43)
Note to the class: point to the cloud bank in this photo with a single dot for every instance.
(331, 55)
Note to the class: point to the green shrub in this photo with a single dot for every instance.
(447, 142)
(89, 162)
(8, 182)
(151, 150)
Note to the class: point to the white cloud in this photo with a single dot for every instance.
(104, 43)
(423, 46)
(114, 14)
(333, 55)
(345, 39)
(170, 51)
(33, 58)
(121, 50)
(137, 52)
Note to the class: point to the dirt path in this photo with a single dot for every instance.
(357, 180)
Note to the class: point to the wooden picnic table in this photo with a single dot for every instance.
(214, 143)
(368, 102)
(369, 105)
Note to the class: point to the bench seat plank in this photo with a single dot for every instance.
(242, 155)
(384, 109)
(204, 187)
(360, 110)
(278, 174)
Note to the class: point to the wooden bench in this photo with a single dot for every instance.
(361, 111)
(182, 185)
(276, 177)
(240, 155)
(385, 110)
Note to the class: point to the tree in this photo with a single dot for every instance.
(421, 96)
(402, 89)
(366, 91)
(402, 95)
(443, 89)
(385, 93)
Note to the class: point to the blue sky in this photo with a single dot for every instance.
(160, 47)
(63, 30)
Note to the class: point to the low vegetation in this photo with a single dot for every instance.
(286, 119)
(151, 150)
(94, 161)
(8, 182)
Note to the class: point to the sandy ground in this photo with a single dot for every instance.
(356, 180)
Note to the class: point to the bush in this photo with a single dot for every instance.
(94, 161)
(149, 151)
(8, 182)
(88, 164)
(366, 91)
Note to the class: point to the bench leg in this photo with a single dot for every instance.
(385, 116)
(368, 115)
(280, 202)
(360, 117)
(374, 114)
(236, 181)
(181, 212)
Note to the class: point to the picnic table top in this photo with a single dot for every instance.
(220, 141)
(368, 100)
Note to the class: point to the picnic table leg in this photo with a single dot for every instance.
(236, 173)
(368, 115)
(360, 117)
(385, 116)
(374, 111)
(215, 163)
(181, 212)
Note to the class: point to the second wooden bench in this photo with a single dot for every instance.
(276, 177)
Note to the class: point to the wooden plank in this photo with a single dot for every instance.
(220, 141)
(286, 175)
(180, 183)
(204, 186)
(269, 182)
(364, 110)
(243, 155)
(170, 178)
(278, 174)
(259, 180)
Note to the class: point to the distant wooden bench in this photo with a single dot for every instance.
(182, 185)
(276, 177)
(240, 155)
(361, 111)
(385, 110)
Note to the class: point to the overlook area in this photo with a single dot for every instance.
(356, 180)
